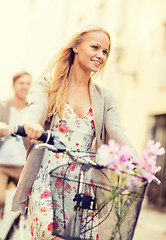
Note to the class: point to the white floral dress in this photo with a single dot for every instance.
(78, 133)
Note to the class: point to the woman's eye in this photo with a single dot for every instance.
(95, 47)
(105, 52)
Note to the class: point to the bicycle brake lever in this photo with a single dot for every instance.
(3, 139)
(46, 145)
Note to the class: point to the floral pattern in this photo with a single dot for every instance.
(77, 134)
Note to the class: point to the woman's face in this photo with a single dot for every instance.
(92, 52)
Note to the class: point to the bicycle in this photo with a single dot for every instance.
(12, 225)
(17, 229)
(105, 201)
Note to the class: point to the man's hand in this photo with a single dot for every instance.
(4, 130)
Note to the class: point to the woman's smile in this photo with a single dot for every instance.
(96, 62)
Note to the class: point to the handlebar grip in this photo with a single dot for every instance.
(45, 137)
(20, 131)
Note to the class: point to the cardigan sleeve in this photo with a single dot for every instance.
(114, 129)
(37, 107)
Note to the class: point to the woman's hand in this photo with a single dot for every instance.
(4, 130)
(33, 131)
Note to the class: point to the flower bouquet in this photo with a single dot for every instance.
(128, 179)
(101, 199)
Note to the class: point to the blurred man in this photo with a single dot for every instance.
(12, 152)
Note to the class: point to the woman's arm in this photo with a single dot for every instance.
(36, 111)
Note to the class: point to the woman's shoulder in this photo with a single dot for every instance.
(43, 81)
(104, 91)
(106, 95)
(39, 91)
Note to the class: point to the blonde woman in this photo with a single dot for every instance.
(67, 102)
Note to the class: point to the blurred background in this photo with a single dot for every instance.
(33, 30)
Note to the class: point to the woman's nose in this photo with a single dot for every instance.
(100, 54)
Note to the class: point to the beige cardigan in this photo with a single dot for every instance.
(107, 126)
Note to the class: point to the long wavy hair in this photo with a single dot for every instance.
(59, 69)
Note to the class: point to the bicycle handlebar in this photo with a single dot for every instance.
(59, 146)
(46, 137)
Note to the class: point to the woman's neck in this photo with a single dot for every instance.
(79, 78)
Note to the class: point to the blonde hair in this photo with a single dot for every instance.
(59, 70)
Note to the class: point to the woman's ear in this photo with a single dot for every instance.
(75, 49)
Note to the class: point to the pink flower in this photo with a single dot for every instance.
(90, 112)
(31, 190)
(72, 166)
(31, 231)
(43, 209)
(117, 170)
(119, 158)
(67, 188)
(91, 182)
(66, 217)
(103, 155)
(58, 183)
(45, 194)
(147, 164)
(108, 155)
(62, 128)
(154, 148)
(57, 155)
(66, 112)
(127, 166)
(92, 124)
(50, 226)
(125, 153)
(133, 182)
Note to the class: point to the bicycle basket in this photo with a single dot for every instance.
(104, 207)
